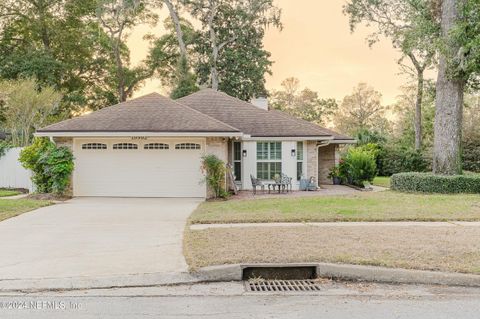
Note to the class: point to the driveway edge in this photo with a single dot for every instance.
(107, 282)
(351, 272)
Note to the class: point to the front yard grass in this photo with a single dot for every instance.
(452, 249)
(379, 206)
(382, 181)
(13, 207)
(4, 192)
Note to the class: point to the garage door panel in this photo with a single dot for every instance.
(138, 172)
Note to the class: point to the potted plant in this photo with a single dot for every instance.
(335, 175)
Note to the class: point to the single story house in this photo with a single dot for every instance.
(152, 146)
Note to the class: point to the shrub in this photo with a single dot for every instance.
(358, 166)
(51, 166)
(4, 146)
(430, 183)
(392, 160)
(214, 169)
(471, 155)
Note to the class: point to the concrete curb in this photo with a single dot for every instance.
(82, 283)
(340, 224)
(351, 272)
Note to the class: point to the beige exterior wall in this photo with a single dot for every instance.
(218, 146)
(327, 159)
(64, 141)
(312, 160)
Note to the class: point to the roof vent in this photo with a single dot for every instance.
(260, 102)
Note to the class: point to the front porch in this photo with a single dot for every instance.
(296, 159)
(325, 190)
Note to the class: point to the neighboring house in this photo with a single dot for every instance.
(152, 146)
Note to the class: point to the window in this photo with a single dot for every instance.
(269, 159)
(187, 146)
(269, 150)
(156, 146)
(299, 160)
(237, 160)
(268, 170)
(125, 146)
(94, 146)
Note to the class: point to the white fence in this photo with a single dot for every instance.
(12, 173)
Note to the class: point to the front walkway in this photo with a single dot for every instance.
(93, 237)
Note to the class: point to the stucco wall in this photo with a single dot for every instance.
(327, 159)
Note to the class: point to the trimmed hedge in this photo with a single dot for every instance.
(430, 183)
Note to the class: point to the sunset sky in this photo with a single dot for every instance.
(315, 46)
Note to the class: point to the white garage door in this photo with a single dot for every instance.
(133, 168)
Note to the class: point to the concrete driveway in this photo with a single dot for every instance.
(96, 237)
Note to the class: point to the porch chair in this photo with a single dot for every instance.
(257, 182)
(286, 182)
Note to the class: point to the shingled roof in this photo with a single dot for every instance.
(149, 113)
(252, 120)
(206, 111)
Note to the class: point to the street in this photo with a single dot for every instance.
(229, 300)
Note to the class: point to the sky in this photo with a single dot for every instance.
(317, 47)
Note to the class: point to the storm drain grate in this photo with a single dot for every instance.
(282, 285)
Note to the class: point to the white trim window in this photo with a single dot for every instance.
(125, 146)
(269, 159)
(299, 160)
(156, 146)
(187, 146)
(94, 146)
(237, 161)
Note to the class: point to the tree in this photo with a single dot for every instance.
(459, 68)
(27, 108)
(116, 17)
(231, 51)
(450, 91)
(166, 59)
(412, 27)
(60, 44)
(361, 110)
(404, 110)
(303, 104)
(186, 83)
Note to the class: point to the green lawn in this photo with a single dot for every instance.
(8, 192)
(14, 207)
(382, 181)
(379, 206)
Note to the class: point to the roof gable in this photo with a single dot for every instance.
(149, 113)
(251, 119)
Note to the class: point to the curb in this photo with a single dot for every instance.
(83, 283)
(351, 272)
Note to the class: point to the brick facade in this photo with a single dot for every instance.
(312, 160)
(217, 146)
(326, 161)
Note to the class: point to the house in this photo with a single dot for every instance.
(151, 146)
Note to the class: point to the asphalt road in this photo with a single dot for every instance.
(229, 301)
